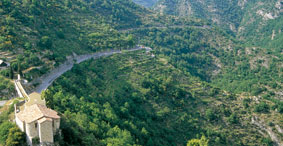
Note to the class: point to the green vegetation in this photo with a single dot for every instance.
(200, 79)
(10, 133)
(6, 87)
(134, 98)
(16, 137)
(38, 35)
(262, 107)
(253, 22)
(198, 142)
(146, 3)
(4, 131)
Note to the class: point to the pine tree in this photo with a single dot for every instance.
(11, 75)
(20, 69)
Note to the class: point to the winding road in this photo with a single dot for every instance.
(46, 80)
(163, 27)
(3, 102)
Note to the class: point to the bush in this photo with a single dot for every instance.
(257, 91)
(262, 107)
(267, 142)
(35, 140)
(233, 119)
(278, 106)
(209, 114)
(198, 142)
(16, 137)
(4, 131)
(46, 42)
(246, 102)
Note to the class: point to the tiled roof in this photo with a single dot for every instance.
(44, 119)
(35, 112)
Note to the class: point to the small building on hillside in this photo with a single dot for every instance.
(3, 64)
(38, 122)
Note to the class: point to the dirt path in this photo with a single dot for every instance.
(46, 80)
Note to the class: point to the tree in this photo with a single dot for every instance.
(11, 74)
(233, 119)
(198, 142)
(46, 42)
(118, 137)
(48, 96)
(20, 69)
(16, 137)
(209, 114)
(262, 107)
(4, 131)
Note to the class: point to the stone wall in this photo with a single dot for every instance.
(46, 132)
(20, 124)
(31, 131)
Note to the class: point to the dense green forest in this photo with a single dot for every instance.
(205, 53)
(38, 35)
(137, 99)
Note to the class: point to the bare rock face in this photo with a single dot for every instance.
(263, 127)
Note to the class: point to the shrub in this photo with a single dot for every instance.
(262, 107)
(209, 114)
(198, 142)
(4, 132)
(16, 137)
(246, 102)
(46, 42)
(233, 119)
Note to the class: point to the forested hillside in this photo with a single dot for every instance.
(146, 3)
(214, 74)
(256, 22)
(38, 35)
(226, 13)
(138, 99)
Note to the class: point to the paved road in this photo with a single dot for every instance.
(46, 80)
(3, 102)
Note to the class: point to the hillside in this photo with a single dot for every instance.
(255, 22)
(146, 3)
(36, 36)
(134, 98)
(248, 65)
(226, 13)
(216, 57)
(215, 71)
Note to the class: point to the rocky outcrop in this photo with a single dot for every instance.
(263, 127)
